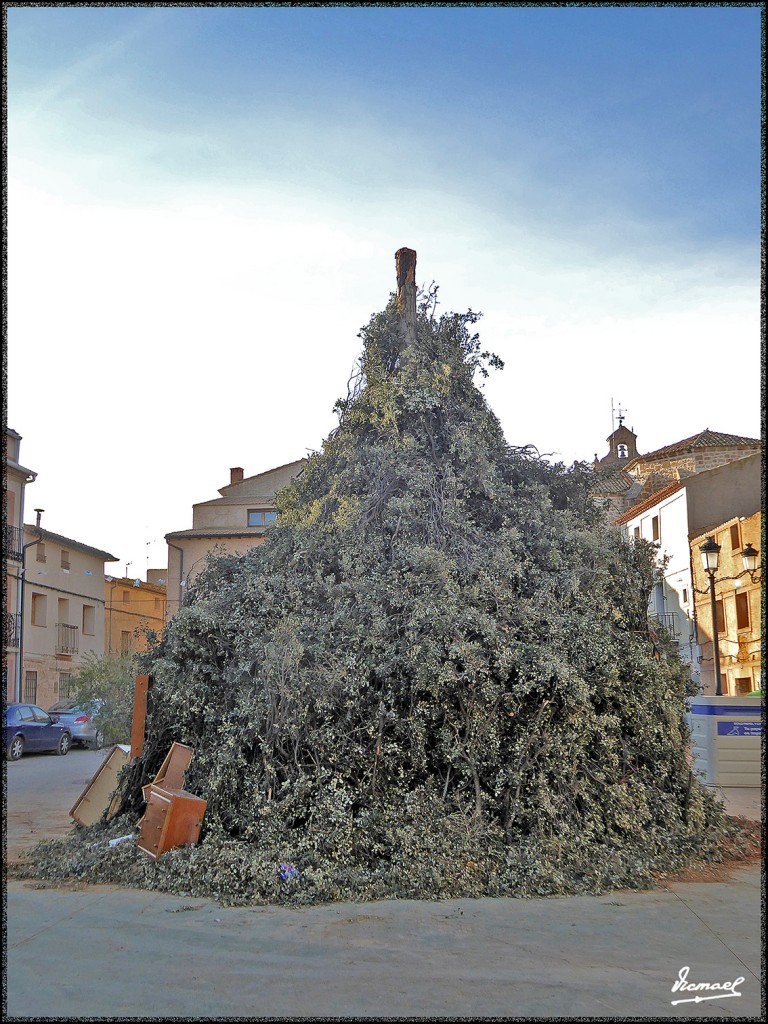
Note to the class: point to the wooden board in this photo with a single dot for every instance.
(139, 714)
(97, 797)
(173, 768)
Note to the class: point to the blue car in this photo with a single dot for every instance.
(27, 728)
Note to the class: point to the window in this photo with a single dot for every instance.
(685, 595)
(41, 716)
(126, 596)
(743, 685)
(261, 516)
(125, 641)
(735, 537)
(656, 526)
(720, 616)
(65, 565)
(25, 714)
(30, 689)
(622, 451)
(637, 533)
(65, 685)
(742, 611)
(38, 609)
(40, 552)
(89, 620)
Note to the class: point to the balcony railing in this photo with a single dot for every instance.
(12, 630)
(667, 621)
(67, 638)
(13, 541)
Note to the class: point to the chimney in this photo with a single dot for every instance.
(235, 475)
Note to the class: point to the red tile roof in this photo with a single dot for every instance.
(611, 481)
(705, 439)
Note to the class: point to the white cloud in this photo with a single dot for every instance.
(156, 344)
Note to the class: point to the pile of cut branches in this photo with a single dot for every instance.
(433, 679)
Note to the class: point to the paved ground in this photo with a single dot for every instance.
(108, 952)
(117, 953)
(40, 792)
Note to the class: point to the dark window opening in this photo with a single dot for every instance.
(742, 611)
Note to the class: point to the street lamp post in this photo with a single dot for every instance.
(710, 557)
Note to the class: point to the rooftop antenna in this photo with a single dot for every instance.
(613, 424)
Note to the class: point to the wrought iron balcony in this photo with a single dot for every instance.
(667, 621)
(67, 638)
(12, 629)
(13, 541)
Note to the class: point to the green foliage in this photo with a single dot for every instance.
(110, 680)
(435, 677)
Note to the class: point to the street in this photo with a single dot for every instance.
(139, 953)
(40, 791)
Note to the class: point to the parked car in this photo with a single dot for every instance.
(27, 727)
(80, 719)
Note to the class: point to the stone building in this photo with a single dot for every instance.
(624, 478)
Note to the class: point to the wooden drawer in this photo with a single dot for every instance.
(173, 818)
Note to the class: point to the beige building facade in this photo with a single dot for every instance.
(738, 608)
(16, 477)
(63, 612)
(131, 607)
(233, 523)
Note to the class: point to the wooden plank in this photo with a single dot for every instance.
(97, 797)
(139, 714)
(173, 768)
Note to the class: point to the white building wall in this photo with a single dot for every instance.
(673, 601)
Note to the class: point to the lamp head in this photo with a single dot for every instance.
(710, 554)
(750, 556)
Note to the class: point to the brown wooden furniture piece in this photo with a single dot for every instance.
(172, 770)
(99, 795)
(173, 818)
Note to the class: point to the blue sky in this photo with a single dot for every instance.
(204, 205)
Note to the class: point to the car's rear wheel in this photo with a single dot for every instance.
(98, 741)
(15, 749)
(64, 744)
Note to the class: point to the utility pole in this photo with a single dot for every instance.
(22, 585)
